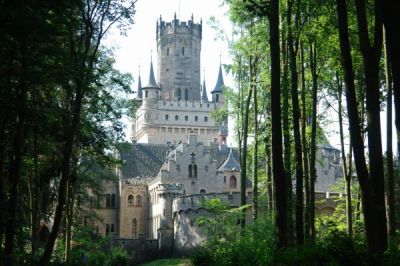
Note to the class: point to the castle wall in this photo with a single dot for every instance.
(133, 211)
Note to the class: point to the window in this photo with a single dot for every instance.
(113, 201)
(195, 170)
(224, 178)
(112, 228)
(202, 191)
(146, 94)
(176, 117)
(167, 51)
(179, 93)
(232, 182)
(186, 94)
(216, 97)
(186, 118)
(196, 118)
(190, 170)
(134, 228)
(166, 117)
(130, 200)
(107, 229)
(205, 119)
(108, 201)
(183, 50)
(164, 212)
(138, 200)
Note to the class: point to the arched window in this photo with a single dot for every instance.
(205, 119)
(134, 228)
(190, 170)
(196, 118)
(195, 170)
(138, 200)
(186, 94)
(176, 117)
(108, 201)
(232, 182)
(183, 50)
(167, 51)
(216, 97)
(113, 201)
(112, 228)
(166, 117)
(131, 200)
(186, 118)
(179, 93)
(107, 229)
(202, 191)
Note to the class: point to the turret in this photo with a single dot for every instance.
(230, 170)
(217, 93)
(151, 92)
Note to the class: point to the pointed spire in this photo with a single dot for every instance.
(220, 81)
(152, 80)
(139, 87)
(204, 97)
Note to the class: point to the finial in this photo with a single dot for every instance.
(174, 15)
(192, 17)
(151, 55)
(204, 73)
(160, 18)
(220, 56)
(139, 69)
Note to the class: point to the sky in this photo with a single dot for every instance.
(134, 49)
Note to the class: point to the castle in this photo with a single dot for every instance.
(179, 153)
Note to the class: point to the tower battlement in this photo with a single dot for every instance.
(181, 27)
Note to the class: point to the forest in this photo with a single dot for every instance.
(62, 101)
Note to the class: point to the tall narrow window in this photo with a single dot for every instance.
(112, 228)
(232, 182)
(113, 201)
(138, 200)
(190, 170)
(146, 94)
(216, 97)
(167, 51)
(179, 94)
(183, 50)
(107, 229)
(186, 94)
(195, 170)
(166, 117)
(131, 200)
(134, 228)
(108, 201)
(176, 117)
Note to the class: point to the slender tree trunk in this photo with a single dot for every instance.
(16, 158)
(313, 140)
(286, 136)
(346, 171)
(278, 170)
(305, 146)
(269, 175)
(255, 151)
(389, 155)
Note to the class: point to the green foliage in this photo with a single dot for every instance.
(168, 262)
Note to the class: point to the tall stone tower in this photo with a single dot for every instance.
(178, 49)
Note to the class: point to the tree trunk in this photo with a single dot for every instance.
(305, 146)
(255, 151)
(278, 170)
(313, 140)
(346, 171)
(268, 171)
(389, 155)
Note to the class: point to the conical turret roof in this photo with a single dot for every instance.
(230, 164)
(220, 81)
(139, 89)
(152, 80)
(204, 97)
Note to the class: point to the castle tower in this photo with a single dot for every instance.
(178, 49)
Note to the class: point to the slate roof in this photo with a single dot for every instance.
(204, 97)
(229, 164)
(142, 159)
(139, 89)
(152, 80)
(220, 82)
